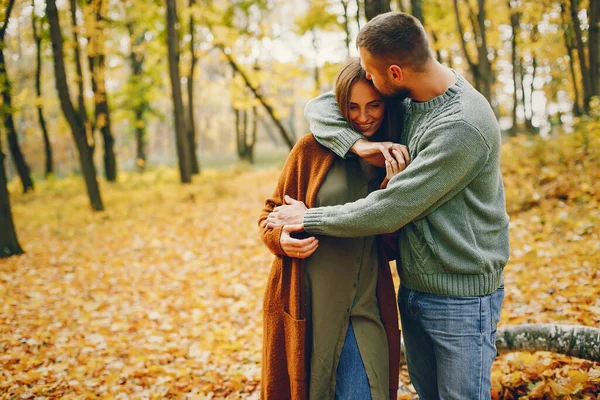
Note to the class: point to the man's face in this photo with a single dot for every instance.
(380, 78)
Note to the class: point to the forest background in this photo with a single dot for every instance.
(142, 137)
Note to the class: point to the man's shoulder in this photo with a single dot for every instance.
(477, 113)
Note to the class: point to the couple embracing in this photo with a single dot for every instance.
(402, 163)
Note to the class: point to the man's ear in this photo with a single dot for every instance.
(395, 73)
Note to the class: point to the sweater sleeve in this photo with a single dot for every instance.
(449, 157)
(328, 125)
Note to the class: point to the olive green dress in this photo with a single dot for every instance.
(341, 281)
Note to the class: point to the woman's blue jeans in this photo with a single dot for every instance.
(351, 379)
(450, 343)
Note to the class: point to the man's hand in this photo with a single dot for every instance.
(377, 153)
(297, 248)
(291, 213)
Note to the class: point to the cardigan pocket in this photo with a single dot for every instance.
(295, 347)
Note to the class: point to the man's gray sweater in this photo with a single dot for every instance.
(449, 201)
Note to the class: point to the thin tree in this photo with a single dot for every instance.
(482, 69)
(287, 138)
(346, 25)
(77, 124)
(38, 91)
(191, 124)
(183, 150)
(375, 7)
(514, 23)
(140, 104)
(594, 46)
(7, 110)
(570, 46)
(586, 80)
(97, 66)
(79, 72)
(9, 244)
(417, 10)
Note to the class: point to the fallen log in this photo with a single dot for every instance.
(570, 340)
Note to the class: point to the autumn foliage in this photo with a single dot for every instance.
(160, 295)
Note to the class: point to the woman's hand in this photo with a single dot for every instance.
(297, 248)
(393, 168)
(378, 152)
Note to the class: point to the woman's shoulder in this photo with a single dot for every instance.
(307, 145)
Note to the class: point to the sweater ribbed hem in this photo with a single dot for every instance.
(312, 220)
(454, 285)
(436, 102)
(341, 144)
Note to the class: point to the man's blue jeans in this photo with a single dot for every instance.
(351, 381)
(450, 343)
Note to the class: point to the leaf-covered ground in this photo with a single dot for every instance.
(160, 295)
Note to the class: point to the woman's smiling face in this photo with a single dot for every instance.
(367, 109)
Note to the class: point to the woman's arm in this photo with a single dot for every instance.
(279, 240)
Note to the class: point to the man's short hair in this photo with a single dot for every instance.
(395, 38)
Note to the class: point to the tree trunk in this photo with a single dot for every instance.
(78, 68)
(191, 124)
(359, 10)
(77, 125)
(528, 121)
(594, 47)
(11, 133)
(6, 112)
(585, 72)
(474, 68)
(416, 8)
(97, 65)
(485, 68)
(571, 340)
(246, 138)
(346, 26)
(569, 44)
(140, 105)
(38, 90)
(9, 244)
(514, 23)
(375, 7)
(282, 131)
(183, 148)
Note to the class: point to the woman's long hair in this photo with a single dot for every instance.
(352, 72)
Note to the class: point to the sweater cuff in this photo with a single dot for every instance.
(274, 242)
(342, 142)
(312, 220)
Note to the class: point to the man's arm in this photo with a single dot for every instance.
(328, 125)
(445, 165)
(333, 131)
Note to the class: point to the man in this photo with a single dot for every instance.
(448, 205)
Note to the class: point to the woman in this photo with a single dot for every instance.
(329, 319)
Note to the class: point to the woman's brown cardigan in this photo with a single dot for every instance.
(285, 361)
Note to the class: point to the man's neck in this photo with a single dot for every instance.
(432, 82)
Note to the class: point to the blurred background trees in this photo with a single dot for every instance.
(201, 82)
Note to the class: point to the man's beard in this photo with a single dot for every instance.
(395, 92)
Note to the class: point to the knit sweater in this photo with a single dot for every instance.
(449, 201)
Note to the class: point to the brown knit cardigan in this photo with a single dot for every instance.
(285, 361)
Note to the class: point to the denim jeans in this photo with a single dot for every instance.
(450, 343)
(351, 382)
